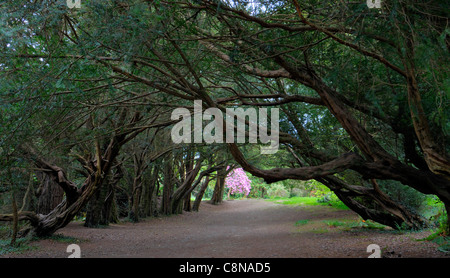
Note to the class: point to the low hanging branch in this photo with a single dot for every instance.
(347, 161)
(328, 97)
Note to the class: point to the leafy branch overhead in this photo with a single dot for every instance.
(87, 96)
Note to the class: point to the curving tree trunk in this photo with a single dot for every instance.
(201, 192)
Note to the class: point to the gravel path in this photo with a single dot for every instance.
(236, 229)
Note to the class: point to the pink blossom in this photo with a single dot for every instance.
(238, 182)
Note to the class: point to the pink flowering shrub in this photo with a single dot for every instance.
(238, 182)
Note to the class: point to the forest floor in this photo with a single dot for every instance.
(237, 229)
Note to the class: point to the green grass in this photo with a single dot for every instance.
(441, 240)
(336, 223)
(352, 224)
(310, 201)
(23, 244)
(301, 222)
(444, 244)
(306, 201)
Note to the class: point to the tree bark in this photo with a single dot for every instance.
(50, 194)
(167, 187)
(100, 208)
(187, 206)
(110, 209)
(217, 197)
(185, 188)
(198, 198)
(15, 220)
(148, 193)
(139, 168)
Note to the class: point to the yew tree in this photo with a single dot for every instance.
(378, 77)
(362, 93)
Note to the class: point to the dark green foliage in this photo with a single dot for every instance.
(72, 79)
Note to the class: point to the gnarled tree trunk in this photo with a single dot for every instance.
(49, 193)
(75, 198)
(101, 207)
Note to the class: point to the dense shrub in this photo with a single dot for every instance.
(277, 190)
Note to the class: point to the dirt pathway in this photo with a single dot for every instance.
(235, 229)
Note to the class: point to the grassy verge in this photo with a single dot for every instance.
(322, 226)
(310, 201)
(355, 224)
